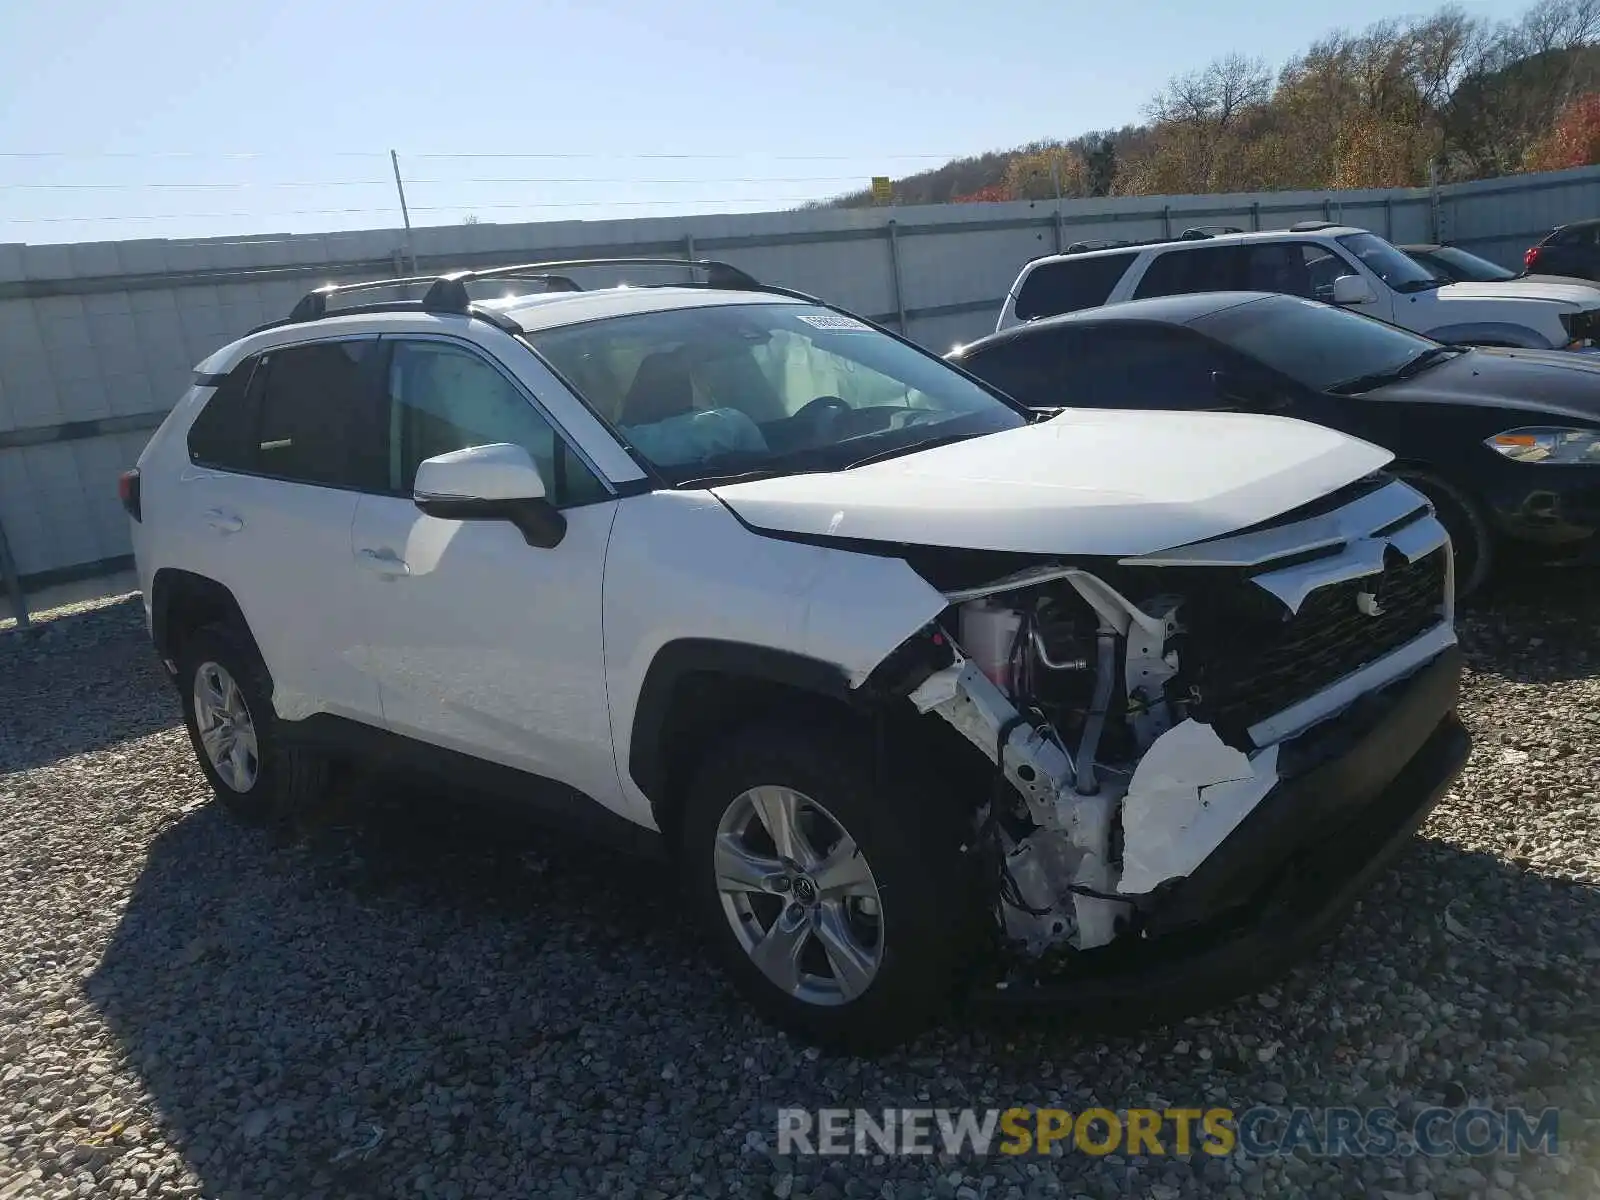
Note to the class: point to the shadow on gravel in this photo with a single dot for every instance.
(421, 986)
(81, 682)
(1535, 625)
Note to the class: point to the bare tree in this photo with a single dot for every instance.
(1216, 95)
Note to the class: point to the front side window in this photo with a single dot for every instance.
(444, 397)
(1314, 344)
(310, 396)
(764, 388)
(1053, 288)
(1398, 270)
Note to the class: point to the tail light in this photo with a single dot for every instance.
(128, 493)
(1530, 258)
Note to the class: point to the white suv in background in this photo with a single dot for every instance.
(724, 575)
(1338, 264)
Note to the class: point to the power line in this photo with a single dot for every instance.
(313, 183)
(392, 210)
(551, 155)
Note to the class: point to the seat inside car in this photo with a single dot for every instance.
(662, 388)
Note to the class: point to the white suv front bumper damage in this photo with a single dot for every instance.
(1106, 842)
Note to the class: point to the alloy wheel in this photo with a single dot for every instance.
(226, 729)
(799, 895)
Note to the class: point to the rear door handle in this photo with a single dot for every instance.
(385, 562)
(224, 522)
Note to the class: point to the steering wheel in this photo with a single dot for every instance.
(809, 412)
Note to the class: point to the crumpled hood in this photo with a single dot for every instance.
(1575, 295)
(1092, 482)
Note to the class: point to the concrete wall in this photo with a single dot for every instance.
(97, 339)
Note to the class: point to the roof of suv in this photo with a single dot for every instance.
(1211, 239)
(563, 302)
(549, 310)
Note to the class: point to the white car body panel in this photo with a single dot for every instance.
(680, 566)
(1518, 289)
(1187, 794)
(486, 645)
(1089, 481)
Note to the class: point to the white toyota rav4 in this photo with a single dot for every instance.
(927, 696)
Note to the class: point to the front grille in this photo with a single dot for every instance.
(1248, 658)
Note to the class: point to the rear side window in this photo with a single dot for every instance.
(310, 396)
(1027, 369)
(1206, 269)
(1070, 284)
(223, 435)
(1141, 366)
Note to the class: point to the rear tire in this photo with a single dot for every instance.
(227, 707)
(1470, 536)
(854, 951)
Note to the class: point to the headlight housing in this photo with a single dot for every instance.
(1542, 444)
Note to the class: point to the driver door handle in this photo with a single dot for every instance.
(385, 562)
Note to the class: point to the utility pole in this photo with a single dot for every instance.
(1055, 185)
(405, 213)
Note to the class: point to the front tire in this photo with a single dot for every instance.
(1471, 539)
(227, 708)
(836, 904)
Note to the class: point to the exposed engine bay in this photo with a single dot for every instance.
(1137, 728)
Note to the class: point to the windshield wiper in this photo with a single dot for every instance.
(1412, 366)
(912, 448)
(727, 477)
(1419, 285)
(1428, 358)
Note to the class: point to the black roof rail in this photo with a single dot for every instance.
(448, 293)
(1313, 226)
(1089, 244)
(1196, 232)
(314, 304)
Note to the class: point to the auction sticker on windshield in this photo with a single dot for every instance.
(835, 321)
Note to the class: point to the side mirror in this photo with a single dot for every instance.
(1351, 289)
(1241, 391)
(498, 482)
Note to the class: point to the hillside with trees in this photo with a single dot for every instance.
(1374, 108)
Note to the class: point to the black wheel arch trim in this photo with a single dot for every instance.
(676, 660)
(174, 591)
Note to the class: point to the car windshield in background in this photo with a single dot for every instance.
(1470, 267)
(1314, 344)
(1396, 268)
(716, 392)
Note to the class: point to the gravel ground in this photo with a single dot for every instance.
(418, 1001)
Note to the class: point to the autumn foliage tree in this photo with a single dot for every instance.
(1379, 107)
(1574, 142)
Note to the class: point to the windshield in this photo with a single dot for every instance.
(1398, 270)
(1470, 267)
(761, 389)
(1314, 344)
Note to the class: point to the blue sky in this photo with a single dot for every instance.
(285, 112)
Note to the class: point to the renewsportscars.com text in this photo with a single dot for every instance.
(1259, 1131)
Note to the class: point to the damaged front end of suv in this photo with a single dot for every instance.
(1206, 752)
